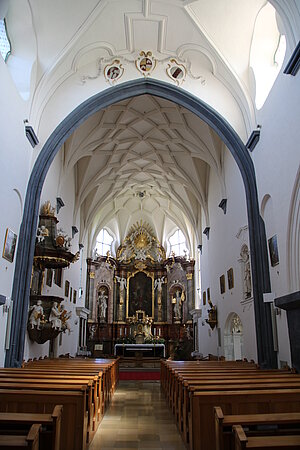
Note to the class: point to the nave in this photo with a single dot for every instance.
(138, 418)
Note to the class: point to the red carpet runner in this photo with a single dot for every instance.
(135, 375)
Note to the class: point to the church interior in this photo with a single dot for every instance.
(151, 214)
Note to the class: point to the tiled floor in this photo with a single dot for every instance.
(138, 418)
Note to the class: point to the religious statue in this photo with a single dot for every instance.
(102, 299)
(54, 317)
(36, 315)
(64, 317)
(42, 232)
(177, 305)
(123, 283)
(247, 288)
(247, 280)
(47, 209)
(158, 283)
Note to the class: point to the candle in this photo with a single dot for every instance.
(121, 331)
(154, 331)
(125, 331)
(159, 332)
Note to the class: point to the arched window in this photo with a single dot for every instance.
(5, 48)
(178, 244)
(103, 242)
(267, 53)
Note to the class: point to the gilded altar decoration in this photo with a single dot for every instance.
(145, 63)
(176, 71)
(113, 72)
(140, 245)
(47, 209)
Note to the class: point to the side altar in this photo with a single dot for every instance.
(139, 296)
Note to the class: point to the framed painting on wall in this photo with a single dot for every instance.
(9, 245)
(273, 250)
(67, 287)
(222, 284)
(230, 278)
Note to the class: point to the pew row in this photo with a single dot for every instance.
(83, 386)
(29, 441)
(243, 442)
(201, 417)
(50, 425)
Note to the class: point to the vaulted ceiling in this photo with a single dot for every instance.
(143, 158)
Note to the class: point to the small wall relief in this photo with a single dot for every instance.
(176, 71)
(145, 63)
(113, 72)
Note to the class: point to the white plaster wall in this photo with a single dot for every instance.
(276, 159)
(15, 156)
(58, 185)
(219, 254)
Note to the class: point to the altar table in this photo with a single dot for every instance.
(145, 350)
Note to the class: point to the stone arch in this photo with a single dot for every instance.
(293, 239)
(25, 251)
(233, 337)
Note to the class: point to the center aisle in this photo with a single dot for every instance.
(138, 418)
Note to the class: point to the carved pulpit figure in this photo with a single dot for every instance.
(54, 317)
(36, 315)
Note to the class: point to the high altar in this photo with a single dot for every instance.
(140, 296)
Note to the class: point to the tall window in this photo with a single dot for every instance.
(103, 242)
(4, 41)
(178, 244)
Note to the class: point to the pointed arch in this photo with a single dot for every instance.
(25, 251)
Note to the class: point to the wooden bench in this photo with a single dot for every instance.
(201, 417)
(53, 384)
(224, 424)
(50, 425)
(74, 416)
(227, 385)
(243, 442)
(29, 441)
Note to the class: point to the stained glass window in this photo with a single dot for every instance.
(5, 48)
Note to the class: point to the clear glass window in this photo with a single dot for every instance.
(178, 244)
(103, 242)
(5, 48)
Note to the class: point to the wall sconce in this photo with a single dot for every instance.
(81, 246)
(30, 134)
(200, 248)
(206, 232)
(74, 231)
(59, 204)
(223, 205)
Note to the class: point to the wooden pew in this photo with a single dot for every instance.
(225, 423)
(201, 417)
(227, 384)
(74, 417)
(18, 382)
(50, 423)
(243, 442)
(30, 441)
